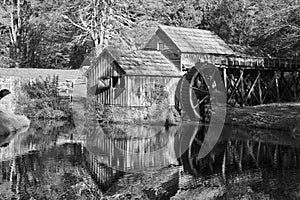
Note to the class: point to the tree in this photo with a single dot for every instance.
(37, 36)
(278, 27)
(13, 20)
(99, 20)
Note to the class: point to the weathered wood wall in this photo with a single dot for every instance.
(129, 90)
(138, 87)
(189, 60)
(104, 66)
(135, 90)
(154, 42)
(167, 48)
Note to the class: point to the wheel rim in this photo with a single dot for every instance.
(199, 93)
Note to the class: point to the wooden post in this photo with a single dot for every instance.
(242, 89)
(251, 90)
(296, 86)
(295, 80)
(259, 90)
(225, 78)
(277, 86)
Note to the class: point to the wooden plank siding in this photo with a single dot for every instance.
(189, 60)
(185, 47)
(138, 86)
(158, 38)
(169, 48)
(130, 89)
(104, 66)
(136, 90)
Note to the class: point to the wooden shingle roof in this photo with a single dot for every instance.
(196, 40)
(145, 63)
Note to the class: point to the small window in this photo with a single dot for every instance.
(161, 46)
(115, 80)
(118, 82)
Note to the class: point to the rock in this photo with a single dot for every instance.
(200, 193)
(11, 124)
(156, 184)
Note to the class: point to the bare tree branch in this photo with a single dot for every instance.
(77, 25)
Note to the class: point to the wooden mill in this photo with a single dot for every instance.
(120, 78)
(249, 78)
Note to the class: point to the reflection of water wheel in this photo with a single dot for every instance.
(193, 92)
(188, 146)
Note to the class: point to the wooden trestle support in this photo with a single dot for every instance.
(245, 85)
(248, 87)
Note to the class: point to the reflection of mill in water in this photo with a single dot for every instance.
(135, 149)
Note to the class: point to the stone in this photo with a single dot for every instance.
(10, 124)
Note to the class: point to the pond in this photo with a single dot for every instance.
(54, 160)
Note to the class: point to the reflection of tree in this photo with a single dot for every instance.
(234, 156)
(54, 174)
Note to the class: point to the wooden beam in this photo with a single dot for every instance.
(242, 103)
(277, 86)
(252, 87)
(260, 91)
(237, 83)
(287, 86)
(268, 89)
(296, 87)
(295, 82)
(225, 78)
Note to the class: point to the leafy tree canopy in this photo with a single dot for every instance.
(58, 34)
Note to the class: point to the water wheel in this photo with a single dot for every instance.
(192, 94)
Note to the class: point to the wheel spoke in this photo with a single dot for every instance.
(198, 141)
(201, 90)
(200, 102)
(213, 75)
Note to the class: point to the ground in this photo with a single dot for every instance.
(279, 116)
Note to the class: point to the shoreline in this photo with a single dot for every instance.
(277, 116)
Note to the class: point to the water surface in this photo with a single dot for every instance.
(59, 161)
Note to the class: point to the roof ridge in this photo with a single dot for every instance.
(187, 28)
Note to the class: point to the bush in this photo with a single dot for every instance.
(156, 94)
(40, 99)
(98, 112)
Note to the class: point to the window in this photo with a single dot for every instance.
(115, 80)
(161, 46)
(118, 82)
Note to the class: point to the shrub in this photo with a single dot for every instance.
(40, 99)
(97, 111)
(156, 94)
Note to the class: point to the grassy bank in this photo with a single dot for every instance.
(279, 116)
